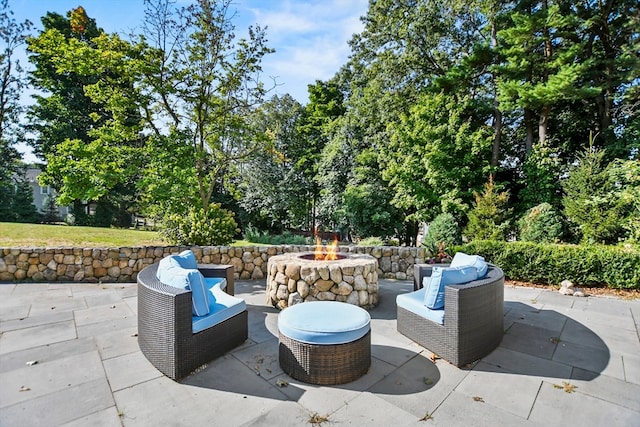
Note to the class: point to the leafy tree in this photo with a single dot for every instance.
(541, 177)
(200, 86)
(490, 217)
(93, 148)
(12, 83)
(437, 156)
(274, 192)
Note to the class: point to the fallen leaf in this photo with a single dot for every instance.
(282, 383)
(428, 381)
(23, 388)
(478, 399)
(32, 362)
(426, 417)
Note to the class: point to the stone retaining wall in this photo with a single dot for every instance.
(123, 264)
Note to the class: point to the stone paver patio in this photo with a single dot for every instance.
(564, 361)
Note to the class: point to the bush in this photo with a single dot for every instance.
(443, 228)
(254, 235)
(371, 241)
(197, 227)
(490, 217)
(593, 265)
(541, 224)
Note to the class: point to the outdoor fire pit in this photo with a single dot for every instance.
(309, 276)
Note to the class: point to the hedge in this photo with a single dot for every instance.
(594, 265)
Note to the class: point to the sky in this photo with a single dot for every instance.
(310, 36)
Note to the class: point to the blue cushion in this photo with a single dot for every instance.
(186, 259)
(461, 259)
(171, 273)
(222, 306)
(440, 277)
(324, 322)
(414, 302)
(199, 293)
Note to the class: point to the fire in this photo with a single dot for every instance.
(328, 253)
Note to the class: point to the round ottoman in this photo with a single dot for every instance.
(324, 342)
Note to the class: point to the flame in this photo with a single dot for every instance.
(328, 253)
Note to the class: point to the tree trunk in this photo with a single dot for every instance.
(528, 123)
(543, 123)
(497, 114)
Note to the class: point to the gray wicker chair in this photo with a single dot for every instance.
(165, 325)
(473, 319)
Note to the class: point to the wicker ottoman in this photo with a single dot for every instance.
(324, 342)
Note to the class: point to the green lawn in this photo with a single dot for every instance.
(41, 235)
(14, 235)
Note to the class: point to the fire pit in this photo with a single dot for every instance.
(310, 276)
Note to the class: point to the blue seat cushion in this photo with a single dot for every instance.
(324, 322)
(414, 302)
(461, 259)
(222, 306)
(441, 277)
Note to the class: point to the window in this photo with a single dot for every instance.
(45, 190)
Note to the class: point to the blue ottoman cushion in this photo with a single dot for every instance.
(324, 322)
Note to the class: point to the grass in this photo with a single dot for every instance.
(43, 235)
(15, 235)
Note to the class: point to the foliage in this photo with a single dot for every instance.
(626, 176)
(437, 156)
(22, 205)
(592, 201)
(86, 119)
(12, 84)
(443, 229)
(50, 213)
(215, 226)
(253, 235)
(587, 265)
(438, 254)
(541, 177)
(371, 241)
(541, 224)
(490, 217)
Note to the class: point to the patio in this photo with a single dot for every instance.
(69, 356)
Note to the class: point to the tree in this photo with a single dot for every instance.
(22, 204)
(438, 155)
(12, 82)
(490, 218)
(274, 192)
(592, 199)
(201, 86)
(93, 145)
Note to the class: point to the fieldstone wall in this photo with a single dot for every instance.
(123, 264)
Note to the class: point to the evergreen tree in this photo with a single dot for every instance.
(490, 218)
(50, 213)
(22, 205)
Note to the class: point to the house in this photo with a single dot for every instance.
(42, 193)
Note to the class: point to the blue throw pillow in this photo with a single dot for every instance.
(440, 277)
(199, 293)
(461, 259)
(186, 259)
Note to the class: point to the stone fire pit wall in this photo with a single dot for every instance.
(292, 279)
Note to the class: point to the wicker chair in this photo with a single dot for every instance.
(473, 319)
(165, 325)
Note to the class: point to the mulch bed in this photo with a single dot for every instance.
(597, 291)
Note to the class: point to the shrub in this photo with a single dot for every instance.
(254, 235)
(443, 228)
(371, 241)
(593, 265)
(490, 218)
(541, 224)
(216, 226)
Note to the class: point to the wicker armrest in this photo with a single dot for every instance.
(219, 270)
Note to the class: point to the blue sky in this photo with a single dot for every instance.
(309, 36)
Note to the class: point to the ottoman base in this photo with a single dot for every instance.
(325, 364)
